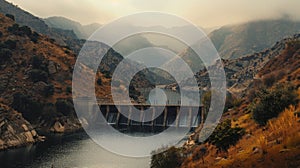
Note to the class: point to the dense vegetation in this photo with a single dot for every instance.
(171, 158)
(225, 135)
(270, 102)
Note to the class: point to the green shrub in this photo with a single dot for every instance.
(5, 55)
(225, 136)
(29, 107)
(48, 90)
(25, 30)
(37, 75)
(34, 37)
(206, 99)
(14, 28)
(269, 103)
(99, 81)
(10, 44)
(269, 80)
(171, 158)
(64, 106)
(69, 89)
(12, 17)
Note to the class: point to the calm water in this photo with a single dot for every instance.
(66, 151)
(74, 150)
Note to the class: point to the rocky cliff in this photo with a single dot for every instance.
(15, 130)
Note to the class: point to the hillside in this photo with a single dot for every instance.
(81, 31)
(26, 19)
(241, 139)
(238, 40)
(36, 76)
(241, 73)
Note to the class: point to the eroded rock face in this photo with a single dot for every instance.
(15, 131)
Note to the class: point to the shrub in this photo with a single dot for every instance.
(10, 44)
(206, 99)
(29, 107)
(231, 102)
(48, 90)
(25, 30)
(5, 55)
(38, 62)
(225, 136)
(269, 80)
(269, 103)
(69, 89)
(34, 37)
(171, 158)
(106, 74)
(14, 28)
(99, 81)
(64, 106)
(12, 17)
(49, 113)
(37, 75)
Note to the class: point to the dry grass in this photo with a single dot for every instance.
(275, 145)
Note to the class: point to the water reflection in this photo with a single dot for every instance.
(68, 151)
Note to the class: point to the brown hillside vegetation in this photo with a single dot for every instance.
(276, 145)
(272, 143)
(285, 67)
(36, 76)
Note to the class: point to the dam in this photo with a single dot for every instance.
(119, 115)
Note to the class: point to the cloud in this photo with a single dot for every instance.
(205, 13)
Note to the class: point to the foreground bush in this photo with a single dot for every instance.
(225, 136)
(171, 158)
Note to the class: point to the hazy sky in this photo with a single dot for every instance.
(205, 13)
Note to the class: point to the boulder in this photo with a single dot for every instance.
(52, 68)
(58, 127)
(25, 127)
(29, 137)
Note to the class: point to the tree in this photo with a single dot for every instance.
(269, 103)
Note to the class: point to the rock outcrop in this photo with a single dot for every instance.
(15, 131)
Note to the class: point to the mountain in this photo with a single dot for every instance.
(239, 40)
(35, 77)
(242, 72)
(24, 18)
(269, 79)
(281, 60)
(82, 31)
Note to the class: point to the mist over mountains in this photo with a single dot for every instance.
(81, 31)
